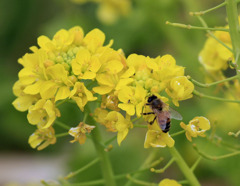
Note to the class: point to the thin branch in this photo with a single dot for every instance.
(196, 27)
(164, 168)
(61, 124)
(196, 163)
(206, 156)
(234, 134)
(177, 133)
(203, 85)
(140, 126)
(71, 174)
(201, 95)
(208, 10)
(61, 134)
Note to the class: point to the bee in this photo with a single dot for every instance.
(163, 113)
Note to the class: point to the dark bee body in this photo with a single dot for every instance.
(162, 113)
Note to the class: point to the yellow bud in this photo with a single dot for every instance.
(73, 79)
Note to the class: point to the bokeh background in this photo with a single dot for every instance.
(142, 31)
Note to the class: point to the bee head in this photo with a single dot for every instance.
(151, 98)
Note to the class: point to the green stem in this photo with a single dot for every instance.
(145, 164)
(215, 157)
(211, 84)
(234, 134)
(106, 167)
(140, 126)
(120, 176)
(208, 10)
(95, 182)
(184, 167)
(196, 163)
(71, 174)
(177, 133)
(164, 168)
(61, 124)
(232, 15)
(61, 134)
(196, 27)
(110, 140)
(214, 98)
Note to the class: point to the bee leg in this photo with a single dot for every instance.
(153, 120)
(148, 113)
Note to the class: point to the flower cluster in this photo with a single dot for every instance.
(109, 11)
(128, 89)
(81, 68)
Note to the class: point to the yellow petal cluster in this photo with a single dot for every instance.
(196, 127)
(61, 68)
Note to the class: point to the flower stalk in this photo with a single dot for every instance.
(232, 15)
(184, 167)
(106, 167)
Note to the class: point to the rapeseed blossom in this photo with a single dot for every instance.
(215, 56)
(196, 127)
(79, 132)
(80, 68)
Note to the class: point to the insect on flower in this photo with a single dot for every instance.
(163, 113)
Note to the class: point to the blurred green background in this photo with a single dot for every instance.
(144, 32)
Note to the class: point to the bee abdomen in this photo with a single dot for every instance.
(168, 124)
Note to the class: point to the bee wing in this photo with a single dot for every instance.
(174, 114)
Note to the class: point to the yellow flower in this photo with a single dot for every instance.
(168, 182)
(110, 101)
(133, 99)
(179, 88)
(33, 74)
(79, 132)
(58, 85)
(81, 95)
(110, 82)
(61, 41)
(99, 116)
(41, 138)
(78, 34)
(156, 138)
(84, 65)
(94, 40)
(214, 55)
(196, 127)
(166, 70)
(43, 113)
(121, 124)
(23, 101)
